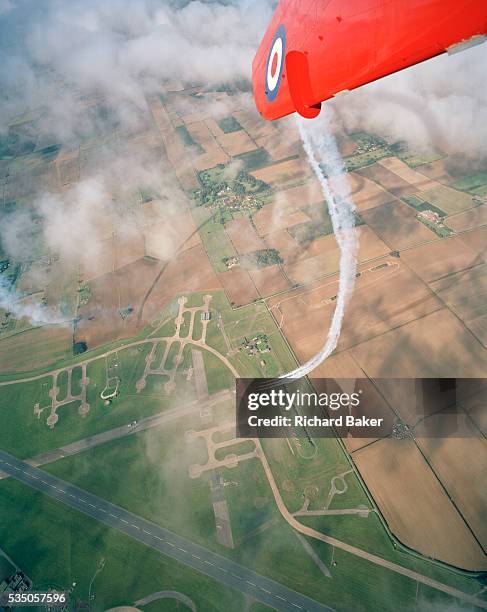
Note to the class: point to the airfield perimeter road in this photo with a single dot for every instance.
(199, 558)
(149, 422)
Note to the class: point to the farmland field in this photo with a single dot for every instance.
(476, 240)
(213, 153)
(205, 251)
(253, 160)
(301, 195)
(447, 199)
(462, 479)
(269, 280)
(416, 508)
(238, 286)
(391, 181)
(434, 345)
(229, 124)
(374, 312)
(35, 348)
(182, 132)
(465, 293)
(321, 256)
(367, 193)
(396, 225)
(243, 235)
(294, 170)
(469, 219)
(439, 259)
(403, 171)
(472, 182)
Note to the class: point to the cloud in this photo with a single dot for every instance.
(439, 104)
(80, 67)
(58, 53)
(5, 6)
(84, 68)
(125, 50)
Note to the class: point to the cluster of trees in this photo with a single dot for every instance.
(264, 258)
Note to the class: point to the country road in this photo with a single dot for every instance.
(201, 559)
(183, 341)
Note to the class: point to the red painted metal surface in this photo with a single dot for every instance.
(315, 49)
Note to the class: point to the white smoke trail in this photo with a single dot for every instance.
(12, 302)
(325, 159)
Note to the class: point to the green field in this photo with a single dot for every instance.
(229, 125)
(480, 191)
(194, 300)
(158, 355)
(182, 132)
(240, 448)
(147, 474)
(253, 160)
(412, 158)
(197, 326)
(62, 384)
(306, 232)
(258, 607)
(472, 183)
(187, 360)
(251, 506)
(35, 347)
(171, 356)
(245, 321)
(218, 376)
(76, 380)
(25, 435)
(296, 473)
(50, 152)
(371, 149)
(216, 242)
(184, 329)
(421, 205)
(6, 568)
(169, 328)
(57, 546)
(14, 143)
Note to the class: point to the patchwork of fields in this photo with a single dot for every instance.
(230, 267)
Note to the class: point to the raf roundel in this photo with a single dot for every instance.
(275, 64)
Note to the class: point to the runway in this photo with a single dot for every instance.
(129, 429)
(193, 555)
